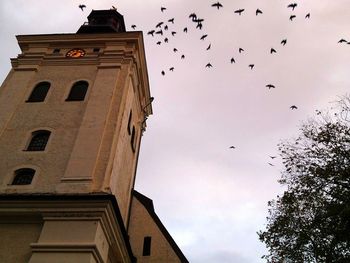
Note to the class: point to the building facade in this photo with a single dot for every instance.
(72, 112)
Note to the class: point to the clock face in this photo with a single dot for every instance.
(75, 53)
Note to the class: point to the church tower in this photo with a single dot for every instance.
(72, 113)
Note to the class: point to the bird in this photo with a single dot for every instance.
(159, 32)
(293, 107)
(82, 7)
(209, 47)
(159, 42)
(272, 157)
(251, 66)
(166, 27)
(272, 50)
(113, 7)
(292, 5)
(162, 9)
(182, 56)
(239, 11)
(198, 20)
(240, 50)
(171, 20)
(173, 33)
(199, 25)
(284, 42)
(203, 37)
(193, 16)
(163, 73)
(185, 29)
(133, 27)
(209, 65)
(233, 60)
(166, 40)
(307, 15)
(159, 24)
(171, 69)
(258, 11)
(270, 86)
(175, 50)
(342, 40)
(217, 4)
(151, 33)
(271, 164)
(292, 17)
(232, 147)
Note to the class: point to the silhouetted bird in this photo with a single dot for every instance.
(292, 17)
(272, 50)
(284, 42)
(307, 15)
(171, 20)
(240, 50)
(166, 27)
(185, 29)
(175, 50)
(270, 164)
(182, 56)
(133, 27)
(160, 32)
(193, 16)
(217, 4)
(171, 69)
(82, 7)
(251, 66)
(163, 73)
(173, 33)
(258, 11)
(159, 24)
(113, 7)
(239, 11)
(162, 9)
(293, 5)
(273, 157)
(270, 86)
(233, 60)
(203, 37)
(198, 20)
(159, 42)
(232, 147)
(209, 47)
(166, 40)
(151, 33)
(209, 65)
(293, 107)
(342, 40)
(199, 25)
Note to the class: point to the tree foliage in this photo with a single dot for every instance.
(310, 222)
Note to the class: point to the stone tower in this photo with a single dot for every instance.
(72, 112)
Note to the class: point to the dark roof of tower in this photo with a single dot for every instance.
(103, 21)
(148, 204)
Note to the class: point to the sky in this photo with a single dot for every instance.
(211, 198)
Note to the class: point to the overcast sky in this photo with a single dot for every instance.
(211, 198)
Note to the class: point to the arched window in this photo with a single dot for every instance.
(23, 176)
(78, 91)
(39, 92)
(39, 140)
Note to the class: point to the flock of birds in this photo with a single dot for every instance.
(162, 29)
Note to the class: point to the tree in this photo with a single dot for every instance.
(310, 222)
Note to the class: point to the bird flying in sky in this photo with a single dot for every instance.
(232, 147)
(307, 15)
(203, 37)
(162, 9)
(292, 5)
(258, 11)
(185, 29)
(151, 32)
(133, 27)
(293, 107)
(209, 47)
(217, 4)
(82, 7)
(270, 86)
(232, 60)
(284, 42)
(159, 24)
(171, 20)
(251, 66)
(292, 17)
(239, 11)
(240, 50)
(209, 65)
(272, 50)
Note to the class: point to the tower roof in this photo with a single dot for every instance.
(103, 21)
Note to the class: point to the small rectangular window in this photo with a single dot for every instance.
(129, 122)
(56, 51)
(146, 246)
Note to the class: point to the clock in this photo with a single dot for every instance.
(75, 53)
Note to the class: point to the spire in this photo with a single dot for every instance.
(103, 21)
